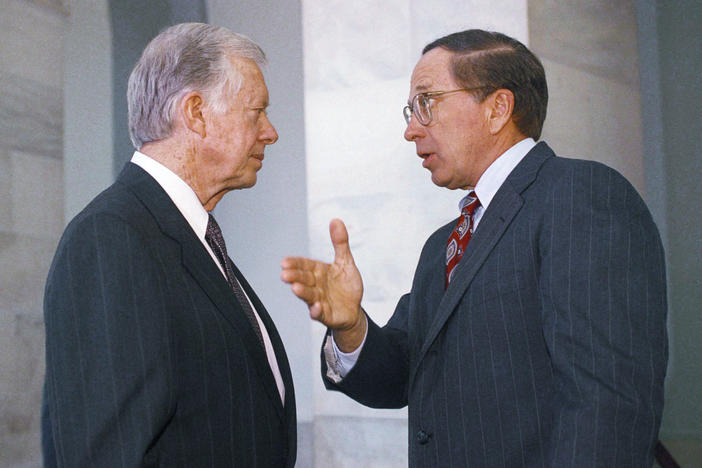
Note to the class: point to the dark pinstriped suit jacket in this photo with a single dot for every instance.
(549, 347)
(150, 360)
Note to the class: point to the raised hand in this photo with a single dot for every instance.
(333, 291)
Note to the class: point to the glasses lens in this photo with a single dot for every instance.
(423, 109)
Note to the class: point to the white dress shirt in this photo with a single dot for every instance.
(197, 217)
(339, 363)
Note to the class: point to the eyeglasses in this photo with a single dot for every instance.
(421, 105)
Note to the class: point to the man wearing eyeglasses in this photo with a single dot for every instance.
(534, 333)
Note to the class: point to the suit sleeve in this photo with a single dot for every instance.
(602, 278)
(380, 377)
(108, 364)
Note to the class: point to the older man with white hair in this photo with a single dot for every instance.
(159, 353)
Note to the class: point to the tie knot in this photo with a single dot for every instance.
(471, 203)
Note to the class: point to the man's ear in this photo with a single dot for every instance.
(500, 109)
(191, 109)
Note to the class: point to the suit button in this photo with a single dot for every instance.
(422, 437)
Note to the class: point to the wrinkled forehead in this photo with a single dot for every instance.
(432, 72)
(253, 83)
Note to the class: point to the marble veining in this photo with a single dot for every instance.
(31, 118)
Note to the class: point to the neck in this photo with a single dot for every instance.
(506, 140)
(167, 153)
(178, 159)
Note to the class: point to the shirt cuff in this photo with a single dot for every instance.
(339, 363)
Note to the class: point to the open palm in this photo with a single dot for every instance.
(333, 291)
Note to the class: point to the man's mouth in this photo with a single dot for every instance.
(426, 158)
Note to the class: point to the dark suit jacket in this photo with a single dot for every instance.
(549, 347)
(150, 360)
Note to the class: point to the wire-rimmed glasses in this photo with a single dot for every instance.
(422, 102)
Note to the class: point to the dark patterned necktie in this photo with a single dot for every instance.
(214, 238)
(459, 238)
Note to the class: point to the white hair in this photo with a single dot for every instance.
(183, 58)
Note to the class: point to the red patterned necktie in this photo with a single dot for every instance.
(461, 235)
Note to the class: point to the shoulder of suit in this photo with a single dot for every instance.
(559, 166)
(591, 181)
(114, 205)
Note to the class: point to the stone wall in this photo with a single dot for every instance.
(31, 210)
(589, 51)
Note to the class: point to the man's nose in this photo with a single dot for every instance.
(414, 129)
(269, 134)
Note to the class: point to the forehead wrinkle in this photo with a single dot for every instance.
(252, 101)
(419, 88)
(426, 81)
(256, 94)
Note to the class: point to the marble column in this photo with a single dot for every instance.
(589, 51)
(358, 60)
(31, 210)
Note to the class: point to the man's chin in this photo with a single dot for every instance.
(251, 181)
(246, 183)
(438, 181)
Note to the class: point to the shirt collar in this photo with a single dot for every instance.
(178, 190)
(496, 174)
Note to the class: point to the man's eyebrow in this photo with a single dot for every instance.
(420, 88)
(262, 104)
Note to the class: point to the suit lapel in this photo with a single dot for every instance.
(496, 219)
(198, 262)
(205, 272)
(278, 349)
(287, 411)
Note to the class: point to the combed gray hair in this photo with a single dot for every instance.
(183, 58)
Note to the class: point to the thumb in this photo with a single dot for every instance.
(340, 240)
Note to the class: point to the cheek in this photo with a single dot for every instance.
(451, 146)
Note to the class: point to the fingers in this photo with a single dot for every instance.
(329, 290)
(340, 240)
(316, 311)
(299, 272)
(303, 277)
(298, 263)
(309, 294)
